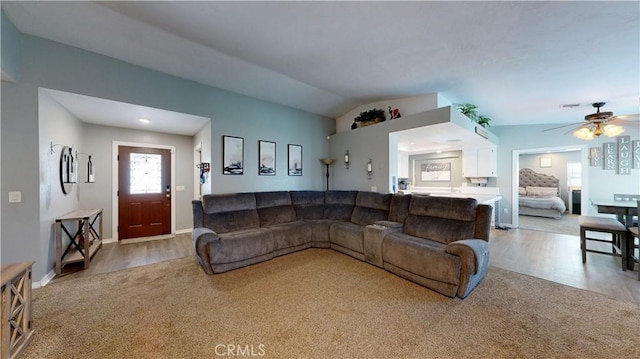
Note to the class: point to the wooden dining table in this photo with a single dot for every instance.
(624, 211)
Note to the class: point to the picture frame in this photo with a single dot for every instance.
(545, 162)
(266, 158)
(294, 160)
(232, 155)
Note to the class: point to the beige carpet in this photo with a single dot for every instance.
(321, 304)
(567, 224)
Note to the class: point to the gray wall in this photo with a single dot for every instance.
(374, 142)
(60, 128)
(10, 54)
(99, 142)
(48, 64)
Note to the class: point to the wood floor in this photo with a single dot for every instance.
(554, 257)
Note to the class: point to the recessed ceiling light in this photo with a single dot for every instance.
(144, 120)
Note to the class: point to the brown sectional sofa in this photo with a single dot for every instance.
(438, 242)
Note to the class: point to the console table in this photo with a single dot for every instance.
(84, 243)
(16, 309)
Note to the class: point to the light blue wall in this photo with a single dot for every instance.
(10, 50)
(48, 64)
(602, 184)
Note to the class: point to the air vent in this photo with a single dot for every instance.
(570, 105)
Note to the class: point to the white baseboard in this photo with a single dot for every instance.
(108, 240)
(182, 231)
(44, 281)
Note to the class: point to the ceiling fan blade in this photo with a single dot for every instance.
(633, 117)
(555, 128)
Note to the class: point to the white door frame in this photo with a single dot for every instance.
(515, 176)
(197, 159)
(114, 183)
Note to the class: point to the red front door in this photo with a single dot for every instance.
(144, 192)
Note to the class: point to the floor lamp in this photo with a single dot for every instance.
(327, 162)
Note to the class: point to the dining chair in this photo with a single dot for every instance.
(631, 237)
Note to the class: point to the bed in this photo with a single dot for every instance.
(539, 195)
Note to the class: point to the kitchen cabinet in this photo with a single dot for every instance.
(481, 162)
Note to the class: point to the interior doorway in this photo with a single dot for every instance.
(145, 215)
(584, 185)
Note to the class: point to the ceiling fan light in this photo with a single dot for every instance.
(613, 130)
(584, 134)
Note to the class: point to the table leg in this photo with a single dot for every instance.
(87, 243)
(58, 247)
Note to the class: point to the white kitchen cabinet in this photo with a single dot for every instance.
(481, 162)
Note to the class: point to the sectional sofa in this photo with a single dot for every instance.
(438, 242)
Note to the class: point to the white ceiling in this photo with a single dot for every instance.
(119, 114)
(518, 61)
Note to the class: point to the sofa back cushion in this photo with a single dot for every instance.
(230, 212)
(308, 204)
(274, 208)
(399, 207)
(371, 207)
(339, 204)
(441, 219)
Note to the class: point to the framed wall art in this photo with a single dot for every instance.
(232, 155)
(545, 162)
(266, 158)
(295, 160)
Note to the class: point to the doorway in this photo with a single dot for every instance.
(143, 186)
(516, 165)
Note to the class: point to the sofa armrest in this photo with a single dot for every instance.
(389, 224)
(472, 252)
(202, 237)
(474, 261)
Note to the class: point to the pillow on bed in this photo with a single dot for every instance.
(541, 191)
(522, 191)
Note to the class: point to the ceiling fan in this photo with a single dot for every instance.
(600, 123)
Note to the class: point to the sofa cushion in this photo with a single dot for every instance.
(422, 257)
(241, 245)
(371, 207)
(347, 235)
(308, 204)
(293, 234)
(441, 219)
(274, 208)
(399, 207)
(230, 212)
(339, 204)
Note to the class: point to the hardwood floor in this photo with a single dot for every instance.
(116, 256)
(554, 257)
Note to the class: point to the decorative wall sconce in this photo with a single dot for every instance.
(204, 167)
(369, 168)
(346, 159)
(90, 175)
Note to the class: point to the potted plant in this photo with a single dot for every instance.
(370, 117)
(469, 110)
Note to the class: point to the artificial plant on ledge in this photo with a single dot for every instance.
(469, 110)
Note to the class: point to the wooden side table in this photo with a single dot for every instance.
(16, 309)
(75, 251)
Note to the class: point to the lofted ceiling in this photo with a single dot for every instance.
(518, 61)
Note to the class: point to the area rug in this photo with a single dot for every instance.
(321, 304)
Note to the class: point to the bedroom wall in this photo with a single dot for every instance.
(558, 168)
